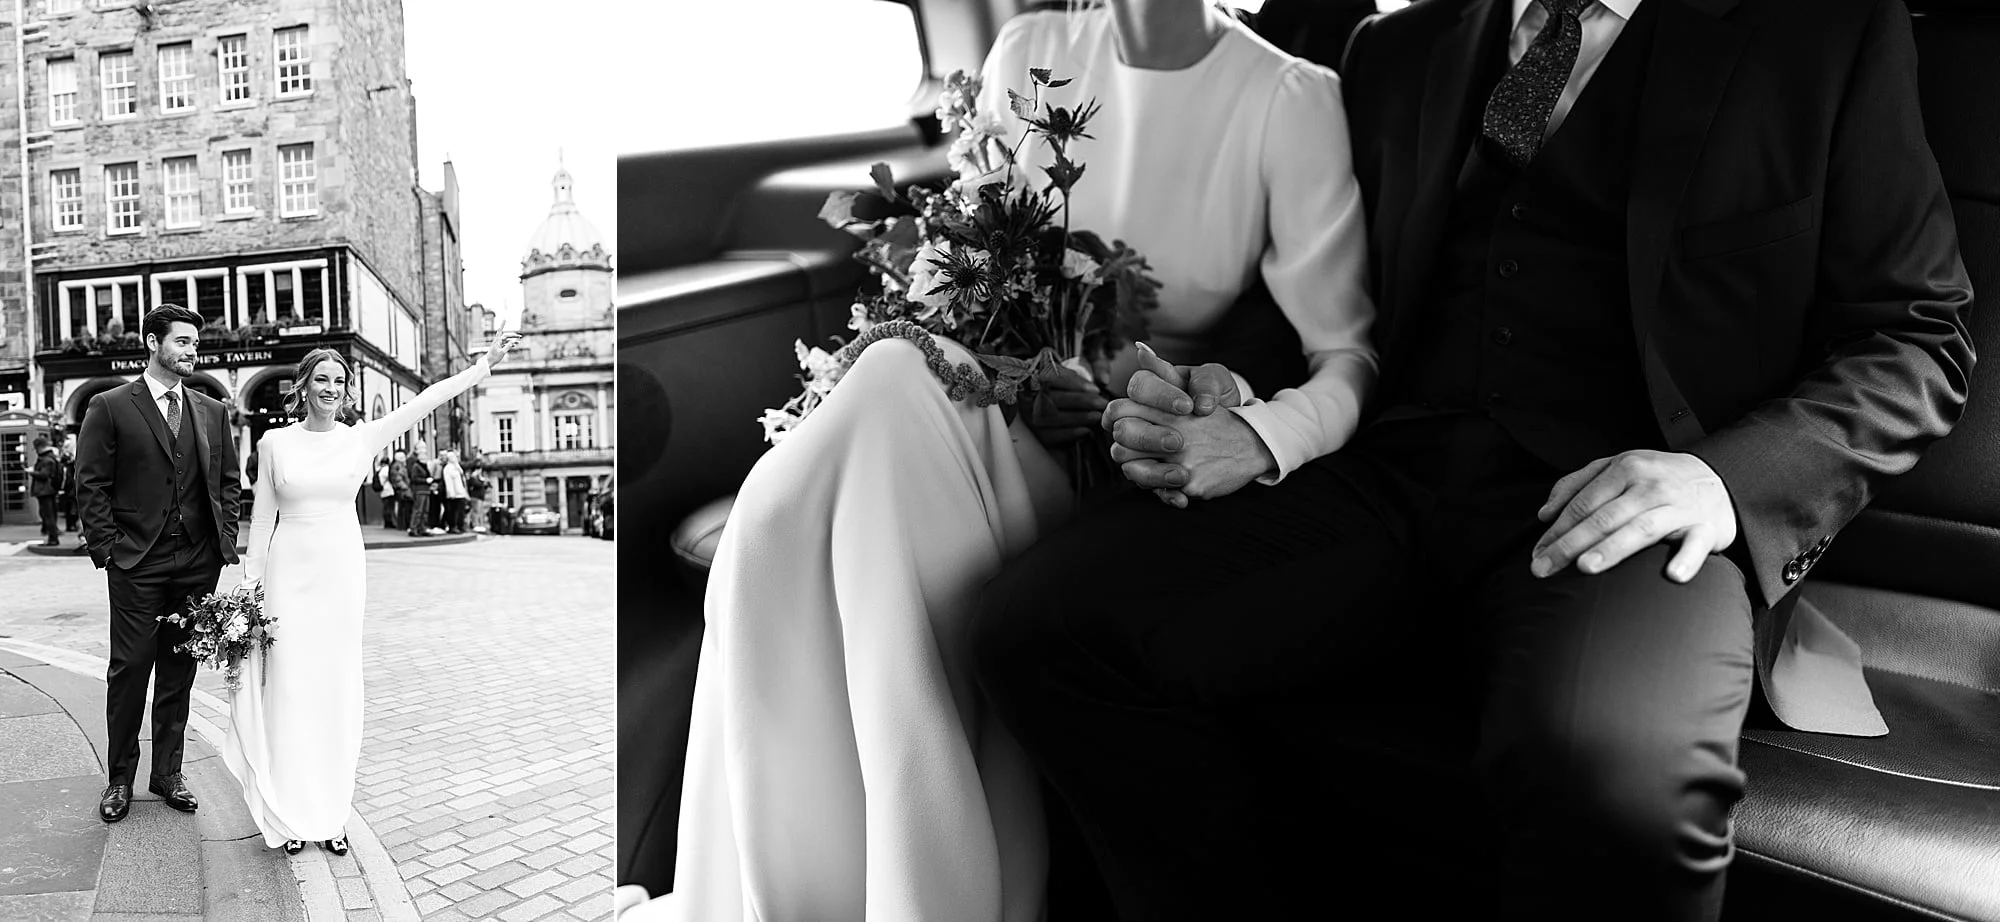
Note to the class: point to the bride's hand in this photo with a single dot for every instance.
(1144, 442)
(1064, 410)
(501, 346)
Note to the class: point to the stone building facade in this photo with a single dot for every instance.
(252, 159)
(547, 415)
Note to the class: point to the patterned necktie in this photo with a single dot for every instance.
(1518, 112)
(174, 413)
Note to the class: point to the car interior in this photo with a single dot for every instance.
(726, 264)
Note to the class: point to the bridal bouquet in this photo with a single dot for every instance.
(991, 262)
(224, 627)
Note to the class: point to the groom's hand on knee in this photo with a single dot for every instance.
(1616, 507)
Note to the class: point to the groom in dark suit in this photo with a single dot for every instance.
(1667, 291)
(156, 479)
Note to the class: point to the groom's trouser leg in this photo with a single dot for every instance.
(1609, 736)
(1115, 648)
(142, 648)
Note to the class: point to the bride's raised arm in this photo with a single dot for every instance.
(378, 433)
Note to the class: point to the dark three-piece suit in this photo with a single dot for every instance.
(159, 513)
(1737, 246)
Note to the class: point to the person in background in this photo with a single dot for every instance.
(476, 487)
(454, 494)
(47, 483)
(399, 485)
(419, 474)
(66, 499)
(379, 482)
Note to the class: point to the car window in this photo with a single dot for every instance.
(736, 73)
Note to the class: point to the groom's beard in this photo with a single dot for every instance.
(181, 367)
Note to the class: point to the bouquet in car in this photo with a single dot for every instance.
(991, 262)
(225, 627)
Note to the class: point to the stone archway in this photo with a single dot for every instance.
(79, 397)
(263, 401)
(203, 382)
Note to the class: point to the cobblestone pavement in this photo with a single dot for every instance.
(487, 773)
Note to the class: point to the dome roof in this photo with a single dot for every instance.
(566, 239)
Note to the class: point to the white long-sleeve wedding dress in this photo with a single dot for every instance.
(840, 764)
(295, 724)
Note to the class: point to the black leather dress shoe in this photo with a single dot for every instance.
(174, 790)
(117, 801)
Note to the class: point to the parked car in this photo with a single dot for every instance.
(537, 520)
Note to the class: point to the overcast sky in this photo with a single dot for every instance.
(500, 93)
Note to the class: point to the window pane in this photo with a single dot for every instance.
(210, 294)
(282, 295)
(233, 62)
(298, 191)
(62, 91)
(253, 297)
(131, 305)
(293, 58)
(101, 307)
(121, 196)
(183, 192)
(66, 191)
(177, 77)
(311, 283)
(239, 182)
(120, 83)
(872, 46)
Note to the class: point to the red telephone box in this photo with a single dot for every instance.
(18, 431)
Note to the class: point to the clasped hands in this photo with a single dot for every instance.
(1168, 438)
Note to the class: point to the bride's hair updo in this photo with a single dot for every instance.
(295, 400)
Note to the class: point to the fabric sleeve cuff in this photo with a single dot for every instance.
(1262, 419)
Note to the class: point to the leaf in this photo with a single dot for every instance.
(1040, 75)
(885, 181)
(1053, 84)
(1022, 105)
(839, 209)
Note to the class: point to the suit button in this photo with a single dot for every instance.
(1502, 335)
(1519, 212)
(1509, 268)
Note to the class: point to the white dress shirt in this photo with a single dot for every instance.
(160, 392)
(1602, 21)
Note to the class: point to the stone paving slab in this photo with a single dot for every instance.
(83, 698)
(73, 906)
(152, 863)
(243, 885)
(19, 699)
(222, 817)
(43, 746)
(52, 840)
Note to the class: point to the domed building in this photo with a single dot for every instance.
(548, 412)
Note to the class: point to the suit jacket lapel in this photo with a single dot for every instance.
(142, 396)
(1694, 52)
(1444, 131)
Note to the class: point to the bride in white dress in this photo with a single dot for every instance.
(295, 723)
(840, 763)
